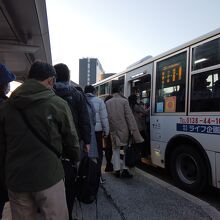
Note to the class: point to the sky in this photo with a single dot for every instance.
(121, 32)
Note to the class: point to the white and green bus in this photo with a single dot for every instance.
(182, 88)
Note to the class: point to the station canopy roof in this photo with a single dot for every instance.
(24, 35)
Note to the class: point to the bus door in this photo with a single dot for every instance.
(141, 87)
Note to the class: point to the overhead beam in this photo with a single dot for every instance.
(18, 48)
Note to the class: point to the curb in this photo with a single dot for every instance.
(206, 207)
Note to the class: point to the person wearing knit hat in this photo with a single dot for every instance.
(5, 78)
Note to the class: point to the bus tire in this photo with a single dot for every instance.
(188, 169)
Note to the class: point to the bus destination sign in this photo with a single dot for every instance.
(172, 73)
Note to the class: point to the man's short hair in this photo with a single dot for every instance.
(89, 89)
(63, 72)
(41, 71)
(116, 89)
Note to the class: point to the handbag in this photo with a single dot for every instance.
(70, 169)
(130, 153)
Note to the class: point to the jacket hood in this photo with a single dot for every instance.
(63, 89)
(29, 93)
(89, 95)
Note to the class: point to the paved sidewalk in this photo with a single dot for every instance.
(141, 198)
(146, 197)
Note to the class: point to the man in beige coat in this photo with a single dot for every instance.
(122, 124)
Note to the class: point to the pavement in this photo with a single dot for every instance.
(143, 197)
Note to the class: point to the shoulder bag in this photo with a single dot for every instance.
(70, 169)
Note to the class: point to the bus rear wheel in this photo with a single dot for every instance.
(188, 169)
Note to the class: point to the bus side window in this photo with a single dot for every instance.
(205, 92)
(205, 77)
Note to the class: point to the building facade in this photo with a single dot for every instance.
(90, 71)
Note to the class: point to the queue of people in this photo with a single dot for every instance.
(75, 122)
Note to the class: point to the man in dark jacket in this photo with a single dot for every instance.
(5, 78)
(77, 104)
(33, 173)
(75, 100)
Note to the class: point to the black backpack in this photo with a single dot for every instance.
(87, 181)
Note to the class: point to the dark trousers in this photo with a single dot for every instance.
(2, 204)
(70, 195)
(70, 185)
(3, 200)
(108, 150)
(99, 135)
(145, 146)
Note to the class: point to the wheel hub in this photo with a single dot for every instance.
(187, 168)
